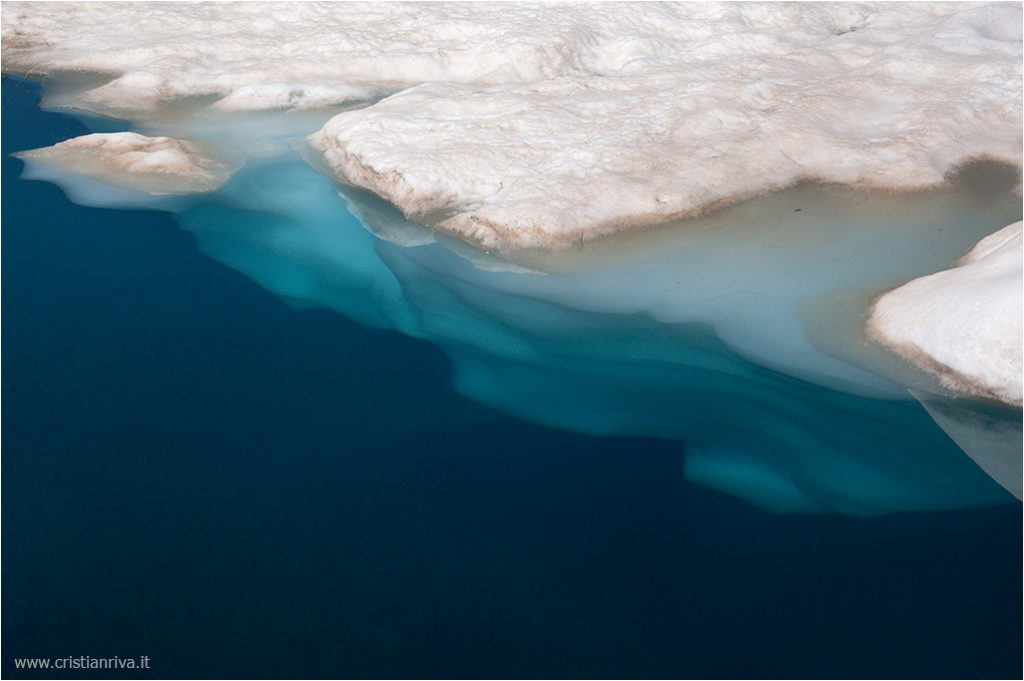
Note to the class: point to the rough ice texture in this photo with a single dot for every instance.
(159, 165)
(539, 126)
(259, 55)
(965, 323)
(706, 104)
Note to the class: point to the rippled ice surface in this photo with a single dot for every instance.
(191, 467)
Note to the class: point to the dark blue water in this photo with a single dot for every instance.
(195, 472)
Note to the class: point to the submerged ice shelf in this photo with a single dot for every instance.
(576, 234)
(755, 374)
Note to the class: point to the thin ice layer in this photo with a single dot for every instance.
(964, 324)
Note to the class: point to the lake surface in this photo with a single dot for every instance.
(197, 472)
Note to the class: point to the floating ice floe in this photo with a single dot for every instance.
(156, 165)
(665, 219)
(965, 324)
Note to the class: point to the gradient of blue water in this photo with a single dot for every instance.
(195, 472)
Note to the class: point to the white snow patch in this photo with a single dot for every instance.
(965, 323)
(258, 55)
(728, 102)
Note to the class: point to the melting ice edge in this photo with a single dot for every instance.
(739, 332)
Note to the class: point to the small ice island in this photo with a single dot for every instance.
(784, 235)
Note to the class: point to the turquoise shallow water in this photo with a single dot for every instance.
(195, 471)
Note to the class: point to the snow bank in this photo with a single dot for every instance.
(263, 55)
(730, 102)
(538, 126)
(965, 323)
